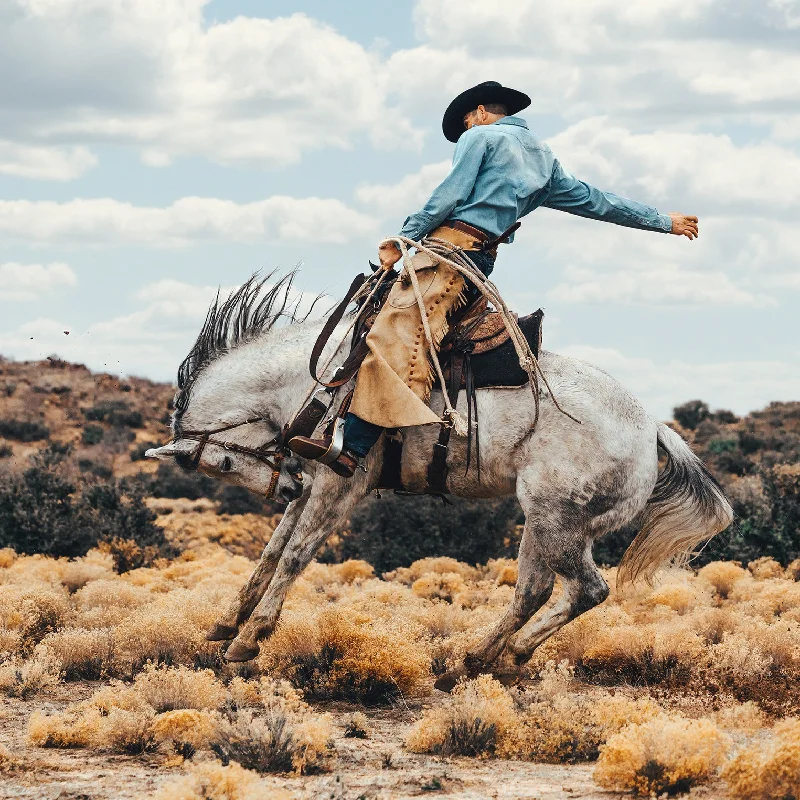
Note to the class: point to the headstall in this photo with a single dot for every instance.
(271, 457)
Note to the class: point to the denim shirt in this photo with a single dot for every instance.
(502, 172)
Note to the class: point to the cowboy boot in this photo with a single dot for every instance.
(344, 464)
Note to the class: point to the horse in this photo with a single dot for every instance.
(575, 479)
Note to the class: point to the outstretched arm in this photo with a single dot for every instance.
(455, 188)
(569, 194)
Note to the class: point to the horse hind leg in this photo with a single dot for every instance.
(583, 588)
(534, 587)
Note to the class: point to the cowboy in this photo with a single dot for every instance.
(501, 172)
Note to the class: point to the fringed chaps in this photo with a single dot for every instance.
(394, 382)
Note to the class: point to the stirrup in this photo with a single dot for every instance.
(337, 443)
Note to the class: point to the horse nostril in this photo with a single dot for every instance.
(226, 464)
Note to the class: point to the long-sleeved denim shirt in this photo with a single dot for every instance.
(502, 172)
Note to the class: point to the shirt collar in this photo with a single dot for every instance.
(511, 121)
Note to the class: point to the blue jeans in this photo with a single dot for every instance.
(360, 435)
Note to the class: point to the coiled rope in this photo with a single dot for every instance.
(445, 252)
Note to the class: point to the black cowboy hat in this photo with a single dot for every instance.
(483, 94)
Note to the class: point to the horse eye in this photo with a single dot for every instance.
(226, 464)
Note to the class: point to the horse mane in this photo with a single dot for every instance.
(248, 312)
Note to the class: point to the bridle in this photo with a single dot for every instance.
(271, 456)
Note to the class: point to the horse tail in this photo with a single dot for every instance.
(686, 509)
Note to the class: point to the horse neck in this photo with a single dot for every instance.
(283, 355)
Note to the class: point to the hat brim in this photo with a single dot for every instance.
(453, 120)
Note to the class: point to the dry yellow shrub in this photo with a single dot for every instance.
(118, 695)
(41, 612)
(321, 575)
(478, 714)
(566, 728)
(760, 772)
(77, 726)
(765, 568)
(23, 678)
(503, 571)
(212, 780)
(83, 653)
(665, 754)
(93, 567)
(130, 732)
(7, 557)
(722, 575)
(6, 756)
(111, 592)
(186, 726)
(740, 716)
(169, 630)
(28, 570)
(10, 641)
(288, 737)
(440, 564)
(439, 586)
(343, 653)
(243, 693)
(678, 596)
(170, 688)
(793, 570)
(357, 726)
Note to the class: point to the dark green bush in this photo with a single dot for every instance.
(172, 482)
(23, 431)
(43, 510)
(691, 414)
(92, 434)
(238, 500)
(138, 452)
(92, 467)
(116, 413)
(393, 531)
(6, 451)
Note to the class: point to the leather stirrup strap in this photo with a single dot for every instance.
(437, 469)
(330, 326)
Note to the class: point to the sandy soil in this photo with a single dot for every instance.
(374, 768)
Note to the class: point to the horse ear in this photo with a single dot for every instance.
(162, 453)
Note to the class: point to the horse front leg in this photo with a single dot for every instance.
(240, 609)
(332, 499)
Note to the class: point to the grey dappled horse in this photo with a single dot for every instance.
(574, 482)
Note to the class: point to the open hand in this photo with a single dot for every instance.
(683, 225)
(389, 254)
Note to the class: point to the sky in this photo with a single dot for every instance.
(154, 150)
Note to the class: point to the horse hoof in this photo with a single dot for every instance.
(221, 633)
(241, 652)
(447, 682)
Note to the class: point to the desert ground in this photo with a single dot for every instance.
(112, 692)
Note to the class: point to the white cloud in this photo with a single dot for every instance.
(407, 195)
(660, 63)
(655, 287)
(159, 76)
(44, 163)
(106, 221)
(661, 384)
(22, 282)
(707, 170)
(151, 340)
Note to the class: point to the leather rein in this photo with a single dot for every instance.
(271, 457)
